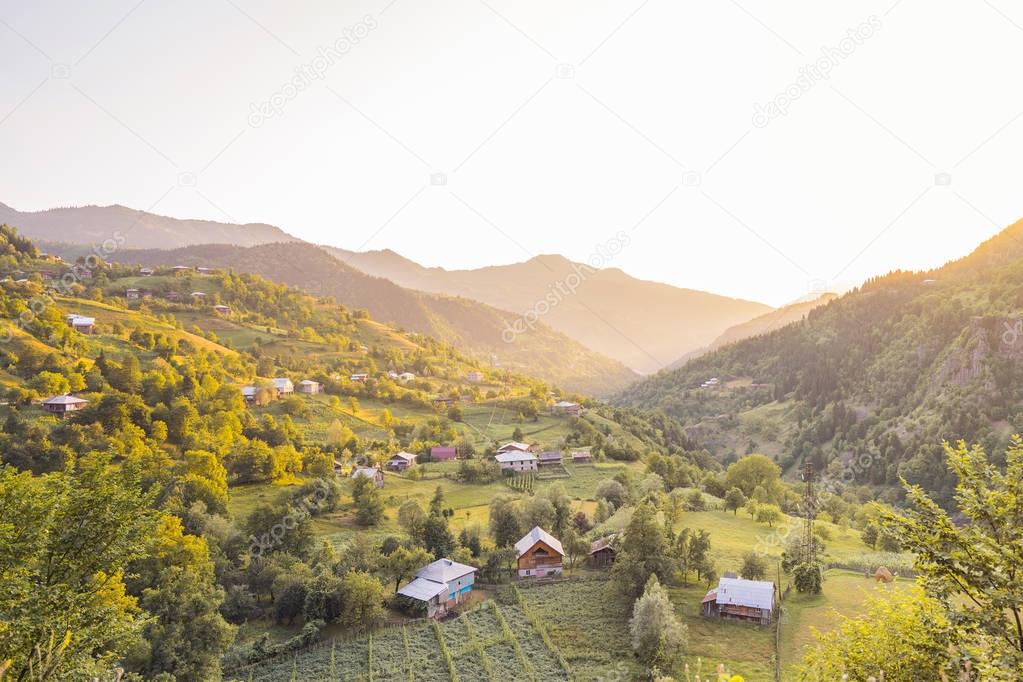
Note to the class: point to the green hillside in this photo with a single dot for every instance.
(227, 538)
(477, 329)
(867, 386)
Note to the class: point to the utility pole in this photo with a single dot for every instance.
(809, 512)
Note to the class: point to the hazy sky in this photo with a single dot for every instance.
(464, 133)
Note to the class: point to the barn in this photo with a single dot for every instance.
(739, 599)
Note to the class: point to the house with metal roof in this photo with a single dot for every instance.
(513, 446)
(440, 585)
(539, 554)
(567, 407)
(516, 461)
(80, 323)
(582, 456)
(549, 458)
(401, 461)
(60, 405)
(603, 552)
(372, 473)
(283, 386)
(443, 453)
(740, 599)
(309, 386)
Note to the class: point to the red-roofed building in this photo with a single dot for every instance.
(443, 453)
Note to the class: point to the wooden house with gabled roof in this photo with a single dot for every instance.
(539, 554)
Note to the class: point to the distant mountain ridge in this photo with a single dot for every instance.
(143, 230)
(473, 327)
(762, 324)
(607, 314)
(643, 324)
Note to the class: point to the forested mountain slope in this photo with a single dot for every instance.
(761, 324)
(868, 385)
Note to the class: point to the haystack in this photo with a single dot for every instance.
(883, 575)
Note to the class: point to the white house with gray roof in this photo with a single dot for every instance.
(440, 586)
(516, 461)
(284, 386)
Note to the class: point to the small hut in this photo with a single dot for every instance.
(883, 575)
(602, 552)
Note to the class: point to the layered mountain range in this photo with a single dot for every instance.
(588, 329)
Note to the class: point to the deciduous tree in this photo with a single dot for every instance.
(658, 637)
(974, 568)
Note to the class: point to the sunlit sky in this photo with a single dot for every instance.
(464, 133)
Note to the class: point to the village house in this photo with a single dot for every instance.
(539, 554)
(81, 324)
(222, 309)
(442, 453)
(391, 374)
(309, 386)
(513, 446)
(581, 457)
(372, 473)
(739, 599)
(361, 378)
(401, 461)
(204, 271)
(179, 269)
(474, 377)
(283, 386)
(60, 405)
(146, 272)
(132, 294)
(602, 552)
(249, 394)
(440, 586)
(173, 296)
(199, 295)
(516, 461)
(567, 407)
(406, 376)
(549, 458)
(446, 401)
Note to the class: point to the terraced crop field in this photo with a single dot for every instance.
(491, 642)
